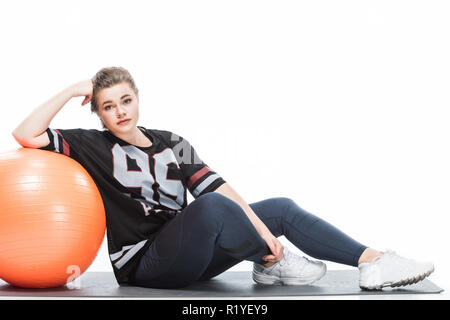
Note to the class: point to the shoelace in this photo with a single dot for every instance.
(289, 258)
(395, 258)
(386, 253)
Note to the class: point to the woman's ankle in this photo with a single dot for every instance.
(369, 255)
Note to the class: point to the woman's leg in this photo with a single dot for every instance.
(311, 234)
(185, 247)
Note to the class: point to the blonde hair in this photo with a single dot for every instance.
(106, 78)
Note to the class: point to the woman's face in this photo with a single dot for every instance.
(118, 103)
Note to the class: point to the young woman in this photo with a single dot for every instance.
(156, 239)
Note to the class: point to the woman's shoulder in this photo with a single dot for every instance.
(91, 132)
(84, 130)
(166, 135)
(84, 135)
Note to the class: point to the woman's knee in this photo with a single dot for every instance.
(210, 201)
(285, 202)
(219, 201)
(279, 205)
(213, 206)
(284, 209)
(210, 198)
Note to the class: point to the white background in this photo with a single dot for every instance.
(342, 106)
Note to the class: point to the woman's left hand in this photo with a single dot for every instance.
(275, 247)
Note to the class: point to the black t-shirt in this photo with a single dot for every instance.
(142, 188)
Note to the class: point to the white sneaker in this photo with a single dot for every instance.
(391, 270)
(291, 270)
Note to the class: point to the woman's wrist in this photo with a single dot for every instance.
(69, 91)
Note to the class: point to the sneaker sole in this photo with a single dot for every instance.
(261, 278)
(403, 282)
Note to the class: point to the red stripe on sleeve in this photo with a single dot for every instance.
(197, 175)
(66, 147)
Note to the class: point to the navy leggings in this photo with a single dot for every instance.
(213, 233)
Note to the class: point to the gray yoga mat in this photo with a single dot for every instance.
(228, 284)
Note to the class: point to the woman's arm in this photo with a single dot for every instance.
(273, 243)
(39, 120)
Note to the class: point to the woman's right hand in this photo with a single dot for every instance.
(83, 88)
(275, 246)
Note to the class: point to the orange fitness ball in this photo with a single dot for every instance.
(52, 219)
